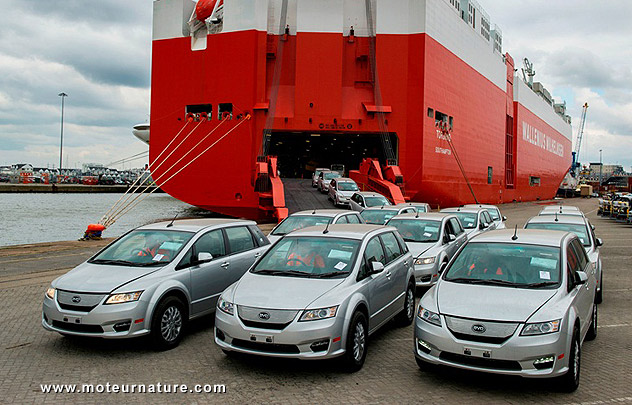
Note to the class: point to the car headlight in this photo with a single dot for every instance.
(429, 316)
(50, 293)
(226, 306)
(424, 260)
(321, 313)
(123, 297)
(542, 328)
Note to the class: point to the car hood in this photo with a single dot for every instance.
(100, 278)
(280, 292)
(417, 249)
(490, 302)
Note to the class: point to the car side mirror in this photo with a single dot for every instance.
(592, 227)
(482, 226)
(376, 267)
(580, 277)
(204, 257)
(599, 242)
(504, 218)
(451, 237)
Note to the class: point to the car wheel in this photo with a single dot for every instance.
(423, 365)
(592, 331)
(229, 353)
(570, 380)
(407, 315)
(357, 337)
(167, 325)
(599, 295)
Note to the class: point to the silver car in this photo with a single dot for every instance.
(341, 190)
(584, 230)
(366, 199)
(561, 210)
(152, 280)
(511, 302)
(324, 179)
(319, 293)
(304, 219)
(381, 215)
(317, 174)
(420, 206)
(474, 220)
(433, 239)
(494, 212)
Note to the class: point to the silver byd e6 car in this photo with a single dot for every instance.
(153, 279)
(511, 303)
(318, 293)
(433, 239)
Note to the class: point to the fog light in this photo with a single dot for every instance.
(122, 326)
(220, 335)
(544, 362)
(320, 346)
(423, 346)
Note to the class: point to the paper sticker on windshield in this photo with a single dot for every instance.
(544, 262)
(158, 257)
(433, 229)
(545, 275)
(339, 254)
(340, 266)
(170, 245)
(427, 234)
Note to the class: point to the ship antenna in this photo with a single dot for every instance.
(170, 224)
(515, 235)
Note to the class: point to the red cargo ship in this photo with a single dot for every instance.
(245, 89)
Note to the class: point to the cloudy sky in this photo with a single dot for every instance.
(98, 52)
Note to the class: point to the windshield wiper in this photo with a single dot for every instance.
(331, 274)
(111, 261)
(492, 281)
(539, 284)
(283, 272)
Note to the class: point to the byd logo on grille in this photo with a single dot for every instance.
(479, 328)
(76, 299)
(264, 315)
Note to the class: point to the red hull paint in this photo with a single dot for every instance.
(325, 81)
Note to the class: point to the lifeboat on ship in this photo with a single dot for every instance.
(141, 131)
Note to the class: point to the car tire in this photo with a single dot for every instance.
(592, 330)
(599, 294)
(167, 324)
(569, 382)
(407, 314)
(356, 344)
(424, 365)
(229, 353)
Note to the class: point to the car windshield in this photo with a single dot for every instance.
(421, 208)
(303, 256)
(376, 201)
(468, 220)
(506, 264)
(331, 175)
(299, 222)
(417, 230)
(578, 229)
(494, 213)
(347, 186)
(144, 248)
(379, 216)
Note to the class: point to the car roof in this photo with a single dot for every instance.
(561, 213)
(369, 194)
(524, 236)
(390, 207)
(344, 180)
(484, 206)
(434, 216)
(560, 208)
(324, 212)
(563, 219)
(197, 224)
(463, 209)
(349, 231)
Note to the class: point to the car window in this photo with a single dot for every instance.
(211, 242)
(391, 247)
(295, 222)
(581, 253)
(342, 220)
(447, 230)
(572, 265)
(486, 218)
(468, 220)
(374, 252)
(239, 239)
(376, 201)
(417, 230)
(377, 216)
(259, 236)
(456, 226)
(333, 184)
(578, 229)
(347, 186)
(353, 219)
(402, 244)
(494, 213)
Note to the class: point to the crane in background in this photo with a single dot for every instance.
(578, 143)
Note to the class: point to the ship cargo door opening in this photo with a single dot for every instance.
(299, 153)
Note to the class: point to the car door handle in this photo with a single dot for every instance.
(225, 264)
(388, 274)
(258, 254)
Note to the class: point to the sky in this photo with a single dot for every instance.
(99, 53)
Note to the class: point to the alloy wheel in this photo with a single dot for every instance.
(358, 342)
(410, 304)
(171, 324)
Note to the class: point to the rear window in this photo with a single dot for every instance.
(347, 186)
(376, 201)
(299, 222)
(417, 230)
(468, 220)
(331, 175)
(580, 230)
(378, 217)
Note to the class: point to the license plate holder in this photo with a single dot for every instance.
(72, 319)
(475, 352)
(261, 338)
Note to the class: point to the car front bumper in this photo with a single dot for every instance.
(294, 341)
(100, 321)
(516, 356)
(426, 274)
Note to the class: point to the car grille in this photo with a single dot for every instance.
(494, 332)
(266, 347)
(77, 327)
(87, 302)
(480, 338)
(493, 364)
(264, 325)
(277, 319)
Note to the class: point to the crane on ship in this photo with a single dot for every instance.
(578, 143)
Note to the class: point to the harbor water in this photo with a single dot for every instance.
(34, 218)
